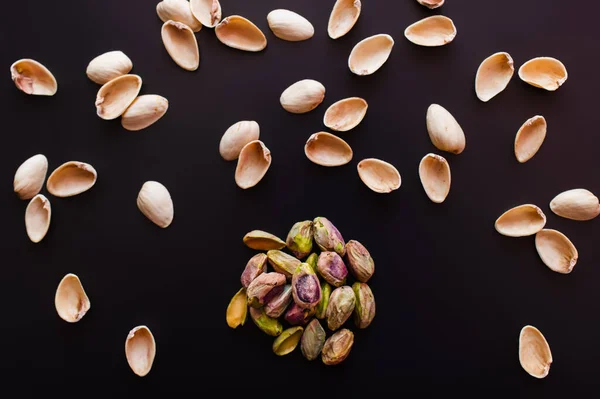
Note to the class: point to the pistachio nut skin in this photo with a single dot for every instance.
(254, 268)
(297, 316)
(337, 347)
(332, 268)
(312, 261)
(364, 311)
(341, 305)
(300, 239)
(328, 237)
(277, 306)
(282, 262)
(306, 288)
(287, 341)
(322, 306)
(312, 340)
(360, 262)
(267, 324)
(264, 288)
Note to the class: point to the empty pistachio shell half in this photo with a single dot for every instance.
(236, 137)
(31, 77)
(577, 204)
(434, 172)
(108, 66)
(239, 33)
(544, 72)
(237, 310)
(140, 350)
(287, 341)
(30, 176)
(344, 15)
(325, 149)
(345, 114)
(253, 164)
(303, 96)
(263, 241)
(155, 202)
(144, 111)
(71, 301)
(444, 131)
(370, 54)
(206, 11)
(431, 4)
(115, 96)
(521, 221)
(288, 25)
(337, 347)
(378, 175)
(493, 75)
(181, 44)
(71, 178)
(434, 31)
(37, 218)
(556, 250)
(534, 352)
(530, 137)
(178, 11)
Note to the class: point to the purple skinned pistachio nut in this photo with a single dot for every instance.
(300, 239)
(306, 288)
(264, 288)
(254, 268)
(341, 305)
(328, 237)
(297, 316)
(360, 262)
(277, 306)
(332, 268)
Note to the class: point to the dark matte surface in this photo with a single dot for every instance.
(452, 294)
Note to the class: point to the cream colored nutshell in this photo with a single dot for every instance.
(178, 11)
(431, 4)
(493, 75)
(29, 177)
(288, 25)
(116, 95)
(577, 204)
(370, 54)
(37, 218)
(521, 221)
(326, 149)
(434, 172)
(236, 137)
(444, 131)
(530, 138)
(380, 176)
(344, 15)
(433, 31)
(534, 352)
(140, 350)
(154, 201)
(144, 111)
(108, 66)
(180, 42)
(544, 72)
(345, 114)
(71, 301)
(206, 11)
(31, 77)
(556, 251)
(71, 178)
(303, 96)
(239, 33)
(253, 163)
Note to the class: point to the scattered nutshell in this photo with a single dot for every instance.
(239, 33)
(370, 54)
(493, 75)
(556, 250)
(534, 352)
(344, 15)
(144, 111)
(108, 66)
(431, 4)
(71, 301)
(530, 138)
(237, 309)
(71, 178)
(253, 163)
(337, 347)
(325, 149)
(433, 31)
(378, 175)
(154, 201)
(434, 172)
(140, 350)
(37, 218)
(521, 221)
(303, 96)
(206, 11)
(181, 44)
(263, 241)
(576, 204)
(30, 176)
(31, 77)
(290, 26)
(444, 131)
(115, 96)
(178, 11)
(287, 341)
(345, 114)
(544, 72)
(236, 137)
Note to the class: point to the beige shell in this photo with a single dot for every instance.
(370, 54)
(71, 301)
(530, 138)
(534, 352)
(556, 250)
(345, 114)
(115, 96)
(144, 111)
(29, 177)
(155, 202)
(140, 350)
(521, 221)
(31, 77)
(303, 96)
(253, 163)
(434, 31)
(37, 218)
(179, 11)
(108, 66)
(239, 33)
(288, 25)
(577, 204)
(544, 72)
(325, 149)
(493, 75)
(378, 175)
(236, 137)
(444, 131)
(71, 178)
(207, 11)
(431, 4)
(344, 15)
(434, 172)
(181, 44)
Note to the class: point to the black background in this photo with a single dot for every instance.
(452, 294)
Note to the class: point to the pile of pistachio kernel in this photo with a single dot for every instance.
(306, 288)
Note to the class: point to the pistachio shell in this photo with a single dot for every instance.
(236, 137)
(378, 175)
(178, 11)
(521, 221)
(493, 75)
(556, 250)
(370, 54)
(530, 137)
(144, 111)
(345, 114)
(155, 202)
(181, 44)
(434, 172)
(325, 149)
(115, 96)
(237, 310)
(31, 77)
(71, 178)
(287, 341)
(30, 176)
(534, 352)
(253, 164)
(288, 25)
(577, 204)
(71, 301)
(140, 350)
(206, 11)
(431, 4)
(239, 33)
(433, 31)
(344, 15)
(37, 218)
(108, 66)
(444, 131)
(303, 96)
(263, 241)
(544, 72)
